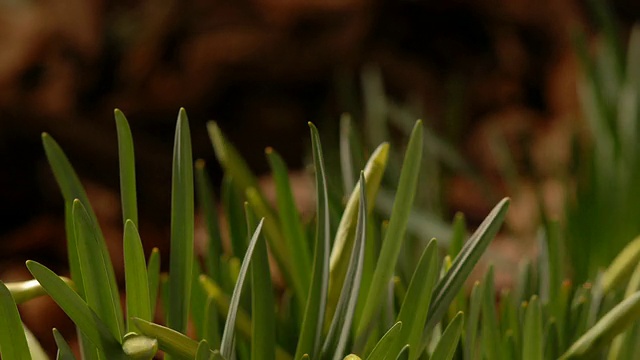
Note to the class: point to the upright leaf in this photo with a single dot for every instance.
(182, 223)
(532, 346)
(395, 234)
(136, 279)
(451, 283)
(336, 340)
(226, 346)
(312, 325)
(64, 350)
(207, 202)
(153, 275)
(448, 343)
(13, 343)
(127, 169)
(95, 269)
(381, 349)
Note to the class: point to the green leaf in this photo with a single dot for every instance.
(211, 331)
(448, 343)
(404, 353)
(621, 344)
(207, 202)
(77, 310)
(153, 275)
(127, 169)
(198, 301)
(64, 350)
(610, 325)
(395, 234)
(182, 223)
(26, 290)
(622, 266)
(228, 335)
(458, 236)
(451, 283)
(533, 344)
(263, 330)
(204, 351)
(232, 201)
(139, 346)
(383, 346)
(339, 331)
(475, 303)
(491, 339)
(313, 321)
(13, 343)
(413, 313)
(346, 162)
(345, 235)
(95, 269)
(169, 340)
(290, 224)
(135, 273)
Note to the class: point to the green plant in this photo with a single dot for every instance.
(349, 297)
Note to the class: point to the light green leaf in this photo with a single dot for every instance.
(204, 351)
(127, 169)
(139, 346)
(26, 290)
(313, 321)
(263, 330)
(395, 234)
(135, 273)
(383, 346)
(451, 283)
(64, 350)
(448, 343)
(413, 313)
(95, 269)
(291, 225)
(491, 339)
(153, 275)
(622, 266)
(228, 335)
(338, 336)
(13, 343)
(77, 310)
(345, 235)
(182, 223)
(610, 325)
(169, 340)
(533, 343)
(475, 303)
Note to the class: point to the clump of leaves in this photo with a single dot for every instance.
(344, 296)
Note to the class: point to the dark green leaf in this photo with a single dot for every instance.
(383, 346)
(153, 274)
(207, 202)
(13, 343)
(136, 279)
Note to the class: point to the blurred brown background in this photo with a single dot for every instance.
(262, 69)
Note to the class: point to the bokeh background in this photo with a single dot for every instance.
(475, 71)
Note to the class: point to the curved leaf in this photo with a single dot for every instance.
(13, 343)
(448, 343)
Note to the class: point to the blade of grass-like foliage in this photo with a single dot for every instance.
(13, 343)
(395, 234)
(153, 276)
(609, 326)
(533, 346)
(26, 290)
(491, 339)
(458, 235)
(345, 235)
(339, 331)
(127, 169)
(64, 350)
(290, 224)
(228, 335)
(475, 302)
(623, 343)
(95, 273)
(263, 330)
(204, 351)
(207, 202)
(404, 353)
(211, 331)
(169, 340)
(555, 271)
(313, 321)
(552, 341)
(346, 163)
(448, 343)
(35, 349)
(198, 301)
(135, 273)
(139, 346)
(509, 317)
(413, 313)
(449, 286)
(78, 311)
(381, 349)
(232, 202)
(182, 223)
(622, 266)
